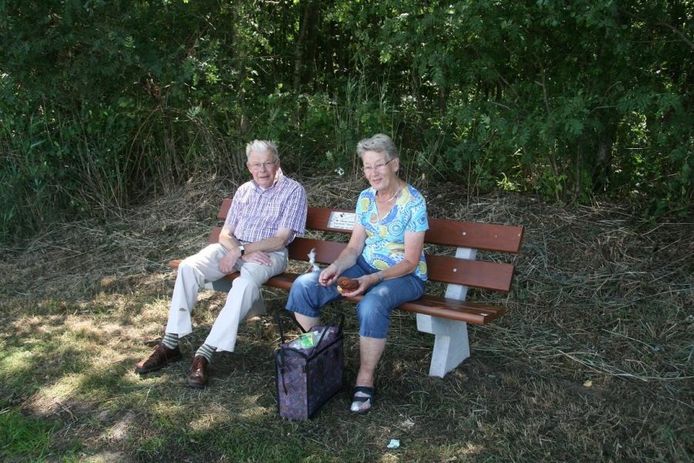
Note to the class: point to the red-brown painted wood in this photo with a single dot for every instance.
(445, 232)
(494, 276)
(490, 237)
(441, 268)
(224, 209)
(470, 312)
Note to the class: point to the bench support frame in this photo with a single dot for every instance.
(451, 342)
(451, 345)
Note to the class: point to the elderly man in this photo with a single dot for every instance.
(265, 215)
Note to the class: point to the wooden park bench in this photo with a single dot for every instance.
(447, 316)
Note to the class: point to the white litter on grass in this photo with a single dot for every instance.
(407, 424)
(394, 444)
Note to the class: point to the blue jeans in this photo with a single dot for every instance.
(308, 297)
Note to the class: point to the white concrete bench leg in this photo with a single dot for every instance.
(451, 344)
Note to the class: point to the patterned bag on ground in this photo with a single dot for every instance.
(308, 370)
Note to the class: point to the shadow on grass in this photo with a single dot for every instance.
(74, 368)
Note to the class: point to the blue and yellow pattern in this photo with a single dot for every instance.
(385, 238)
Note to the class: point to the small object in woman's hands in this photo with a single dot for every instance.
(346, 284)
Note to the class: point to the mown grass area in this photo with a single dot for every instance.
(593, 362)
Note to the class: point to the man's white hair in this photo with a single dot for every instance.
(262, 146)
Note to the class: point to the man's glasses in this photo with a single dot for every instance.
(369, 169)
(261, 165)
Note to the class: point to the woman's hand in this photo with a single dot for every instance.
(365, 282)
(328, 275)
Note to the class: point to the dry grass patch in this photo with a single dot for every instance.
(593, 362)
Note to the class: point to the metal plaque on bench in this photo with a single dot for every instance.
(342, 220)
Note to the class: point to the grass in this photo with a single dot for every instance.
(593, 362)
(24, 437)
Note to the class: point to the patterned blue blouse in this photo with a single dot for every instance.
(385, 238)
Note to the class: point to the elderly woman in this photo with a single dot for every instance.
(384, 254)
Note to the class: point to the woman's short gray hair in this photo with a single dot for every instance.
(379, 143)
(262, 146)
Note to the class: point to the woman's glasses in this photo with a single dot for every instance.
(369, 169)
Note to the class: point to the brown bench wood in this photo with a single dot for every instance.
(443, 237)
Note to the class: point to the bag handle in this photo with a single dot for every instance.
(278, 320)
(280, 358)
(280, 352)
(325, 331)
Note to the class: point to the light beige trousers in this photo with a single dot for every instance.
(196, 270)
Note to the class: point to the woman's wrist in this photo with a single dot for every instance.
(379, 276)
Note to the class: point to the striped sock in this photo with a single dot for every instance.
(170, 340)
(206, 351)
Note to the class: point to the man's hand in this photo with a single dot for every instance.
(258, 257)
(227, 263)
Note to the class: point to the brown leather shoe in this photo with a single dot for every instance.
(158, 359)
(197, 377)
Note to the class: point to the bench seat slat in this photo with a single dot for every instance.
(470, 312)
(452, 309)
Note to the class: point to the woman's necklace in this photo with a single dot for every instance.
(392, 197)
(387, 206)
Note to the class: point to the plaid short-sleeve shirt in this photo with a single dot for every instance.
(256, 214)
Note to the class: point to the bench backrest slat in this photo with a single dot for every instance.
(447, 269)
(214, 235)
(490, 237)
(318, 218)
(223, 209)
(476, 273)
(325, 251)
(442, 268)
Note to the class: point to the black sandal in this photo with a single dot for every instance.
(358, 401)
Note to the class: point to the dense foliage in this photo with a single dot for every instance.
(102, 102)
